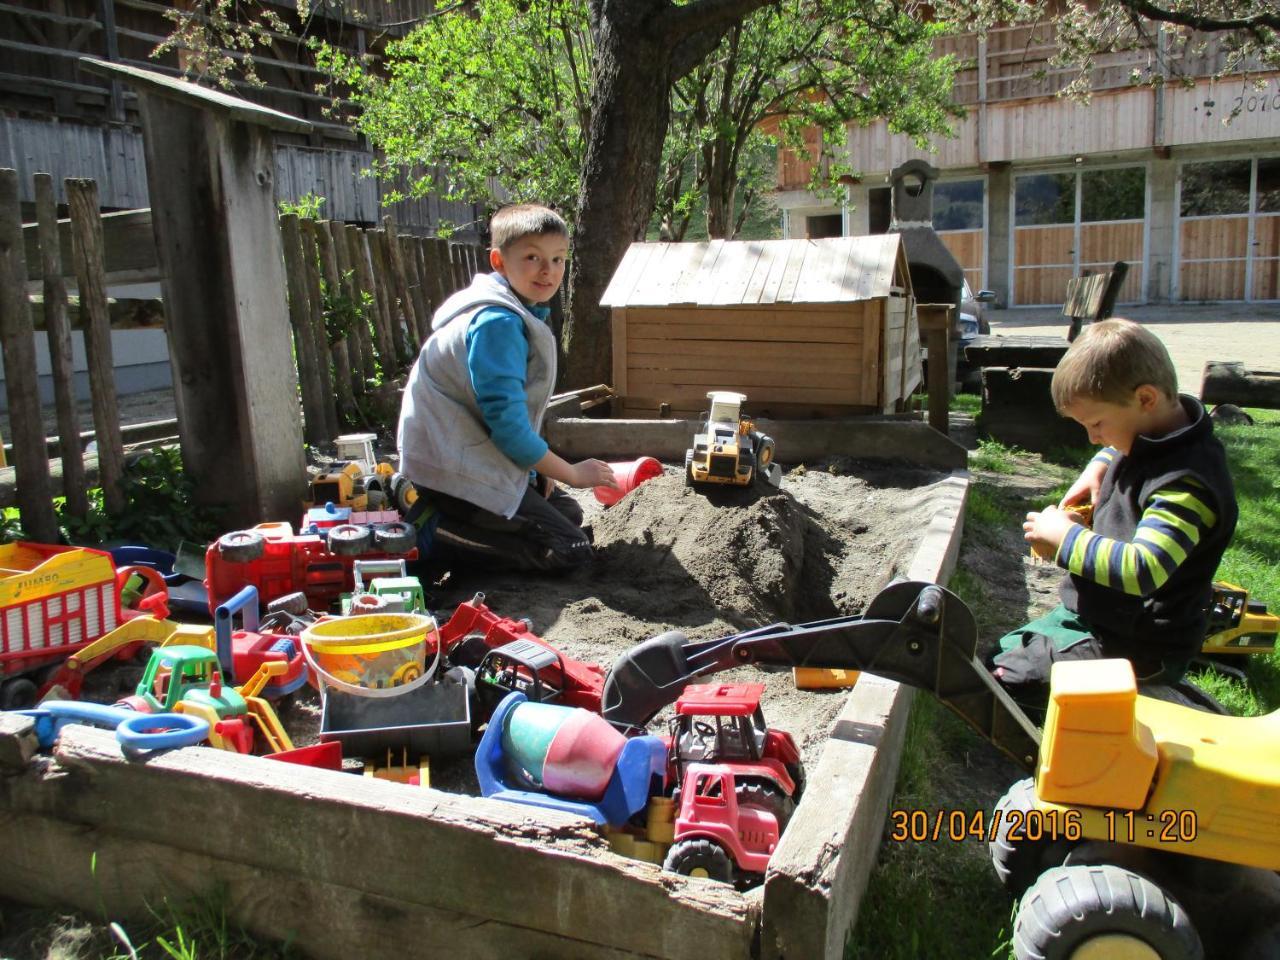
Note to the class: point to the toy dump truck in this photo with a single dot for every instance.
(730, 450)
(55, 600)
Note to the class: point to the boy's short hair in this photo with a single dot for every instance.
(1109, 360)
(524, 220)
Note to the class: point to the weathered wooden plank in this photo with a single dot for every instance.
(749, 356)
(799, 351)
(872, 324)
(435, 253)
(743, 382)
(818, 875)
(726, 282)
(129, 247)
(746, 331)
(123, 313)
(86, 232)
(316, 233)
(1233, 382)
(777, 268)
(347, 365)
(782, 315)
(417, 848)
(632, 273)
(58, 330)
(413, 278)
(799, 441)
(386, 324)
(645, 380)
(795, 264)
(620, 348)
(35, 500)
(361, 284)
(295, 271)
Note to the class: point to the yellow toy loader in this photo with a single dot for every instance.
(730, 450)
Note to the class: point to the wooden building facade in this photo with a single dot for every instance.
(56, 117)
(1180, 181)
(804, 328)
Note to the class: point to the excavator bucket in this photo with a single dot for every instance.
(919, 634)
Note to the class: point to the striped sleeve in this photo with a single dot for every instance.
(1175, 519)
(1105, 456)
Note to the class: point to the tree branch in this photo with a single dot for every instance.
(1197, 21)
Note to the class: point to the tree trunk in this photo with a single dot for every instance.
(642, 48)
(620, 174)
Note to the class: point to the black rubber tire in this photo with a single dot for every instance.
(766, 795)
(241, 546)
(18, 693)
(764, 450)
(295, 603)
(796, 771)
(1070, 906)
(395, 537)
(349, 539)
(688, 468)
(1018, 863)
(1264, 944)
(698, 857)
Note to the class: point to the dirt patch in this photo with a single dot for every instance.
(710, 564)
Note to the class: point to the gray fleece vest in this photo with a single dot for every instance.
(444, 443)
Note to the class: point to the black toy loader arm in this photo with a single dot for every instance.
(918, 634)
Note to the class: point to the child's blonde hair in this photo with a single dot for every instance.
(524, 220)
(1111, 359)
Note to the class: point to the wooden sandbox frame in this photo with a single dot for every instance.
(395, 871)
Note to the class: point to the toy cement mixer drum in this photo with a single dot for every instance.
(566, 751)
(374, 651)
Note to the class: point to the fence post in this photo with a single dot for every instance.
(361, 284)
(86, 247)
(400, 276)
(210, 171)
(17, 337)
(313, 421)
(58, 330)
(318, 266)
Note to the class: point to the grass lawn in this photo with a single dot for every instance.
(942, 900)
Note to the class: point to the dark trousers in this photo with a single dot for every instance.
(544, 534)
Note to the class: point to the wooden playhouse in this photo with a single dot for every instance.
(805, 328)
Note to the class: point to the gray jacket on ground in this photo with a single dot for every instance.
(444, 443)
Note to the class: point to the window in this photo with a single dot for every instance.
(1215, 188)
(1045, 198)
(957, 205)
(1113, 194)
(879, 201)
(1269, 185)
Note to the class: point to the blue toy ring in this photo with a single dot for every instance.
(161, 731)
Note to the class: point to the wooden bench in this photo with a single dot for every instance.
(1092, 297)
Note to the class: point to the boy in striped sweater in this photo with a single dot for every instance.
(1138, 583)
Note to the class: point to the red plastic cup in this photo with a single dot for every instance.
(628, 476)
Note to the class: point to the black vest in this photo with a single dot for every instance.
(1171, 623)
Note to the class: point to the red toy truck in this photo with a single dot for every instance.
(276, 561)
(54, 600)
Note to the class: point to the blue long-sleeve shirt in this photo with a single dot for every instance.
(498, 363)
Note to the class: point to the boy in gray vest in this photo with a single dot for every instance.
(473, 409)
(1138, 583)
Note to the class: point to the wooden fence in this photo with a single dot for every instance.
(360, 303)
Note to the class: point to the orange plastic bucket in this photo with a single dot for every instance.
(628, 476)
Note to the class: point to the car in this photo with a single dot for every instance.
(972, 323)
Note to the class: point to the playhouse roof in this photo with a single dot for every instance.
(728, 272)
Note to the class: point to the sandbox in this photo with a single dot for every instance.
(349, 866)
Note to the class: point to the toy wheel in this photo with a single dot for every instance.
(241, 546)
(768, 796)
(688, 468)
(294, 603)
(1264, 944)
(1018, 863)
(396, 537)
(699, 858)
(796, 772)
(349, 539)
(406, 674)
(1098, 912)
(368, 603)
(18, 693)
(764, 450)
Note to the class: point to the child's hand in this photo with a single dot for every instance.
(592, 473)
(1086, 487)
(1045, 531)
